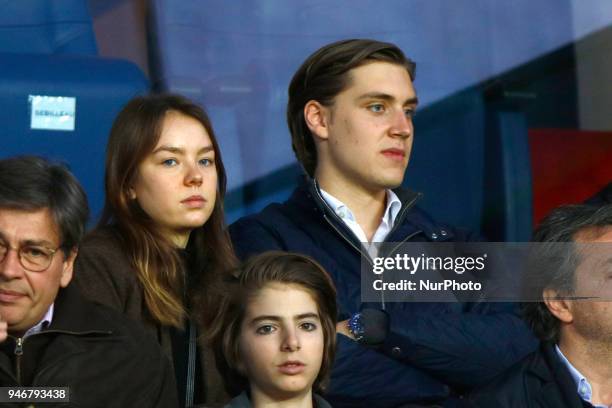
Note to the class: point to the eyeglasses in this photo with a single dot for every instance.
(34, 258)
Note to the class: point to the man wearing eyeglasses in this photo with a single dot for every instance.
(49, 335)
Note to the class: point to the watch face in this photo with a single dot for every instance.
(356, 327)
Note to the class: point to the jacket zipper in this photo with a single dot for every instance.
(398, 220)
(347, 239)
(402, 215)
(18, 354)
(403, 241)
(325, 216)
(191, 366)
(191, 345)
(391, 254)
(19, 348)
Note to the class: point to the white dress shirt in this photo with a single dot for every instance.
(45, 322)
(585, 391)
(386, 222)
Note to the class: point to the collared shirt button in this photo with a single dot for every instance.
(396, 351)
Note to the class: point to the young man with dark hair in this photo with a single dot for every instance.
(573, 317)
(49, 335)
(350, 111)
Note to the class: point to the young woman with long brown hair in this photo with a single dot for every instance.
(162, 239)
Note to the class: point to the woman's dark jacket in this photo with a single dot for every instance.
(103, 273)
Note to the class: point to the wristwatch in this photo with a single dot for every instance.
(355, 326)
(369, 326)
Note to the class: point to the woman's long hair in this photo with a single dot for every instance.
(158, 265)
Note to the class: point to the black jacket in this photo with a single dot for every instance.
(104, 358)
(541, 380)
(431, 348)
(103, 273)
(243, 401)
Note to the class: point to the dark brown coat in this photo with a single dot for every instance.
(104, 274)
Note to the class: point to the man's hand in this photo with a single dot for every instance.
(342, 328)
(369, 326)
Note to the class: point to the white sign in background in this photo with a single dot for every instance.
(52, 112)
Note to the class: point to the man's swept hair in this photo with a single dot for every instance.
(30, 183)
(324, 75)
(555, 266)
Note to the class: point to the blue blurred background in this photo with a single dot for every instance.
(502, 85)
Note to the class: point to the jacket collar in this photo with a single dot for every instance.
(557, 388)
(407, 197)
(76, 315)
(308, 191)
(308, 197)
(243, 401)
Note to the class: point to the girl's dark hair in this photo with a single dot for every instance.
(254, 275)
(134, 135)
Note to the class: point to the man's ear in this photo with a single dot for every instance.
(68, 268)
(559, 307)
(317, 119)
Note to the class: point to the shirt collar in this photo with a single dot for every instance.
(393, 208)
(43, 324)
(394, 205)
(338, 206)
(584, 387)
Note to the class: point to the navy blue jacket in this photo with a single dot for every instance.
(433, 350)
(540, 380)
